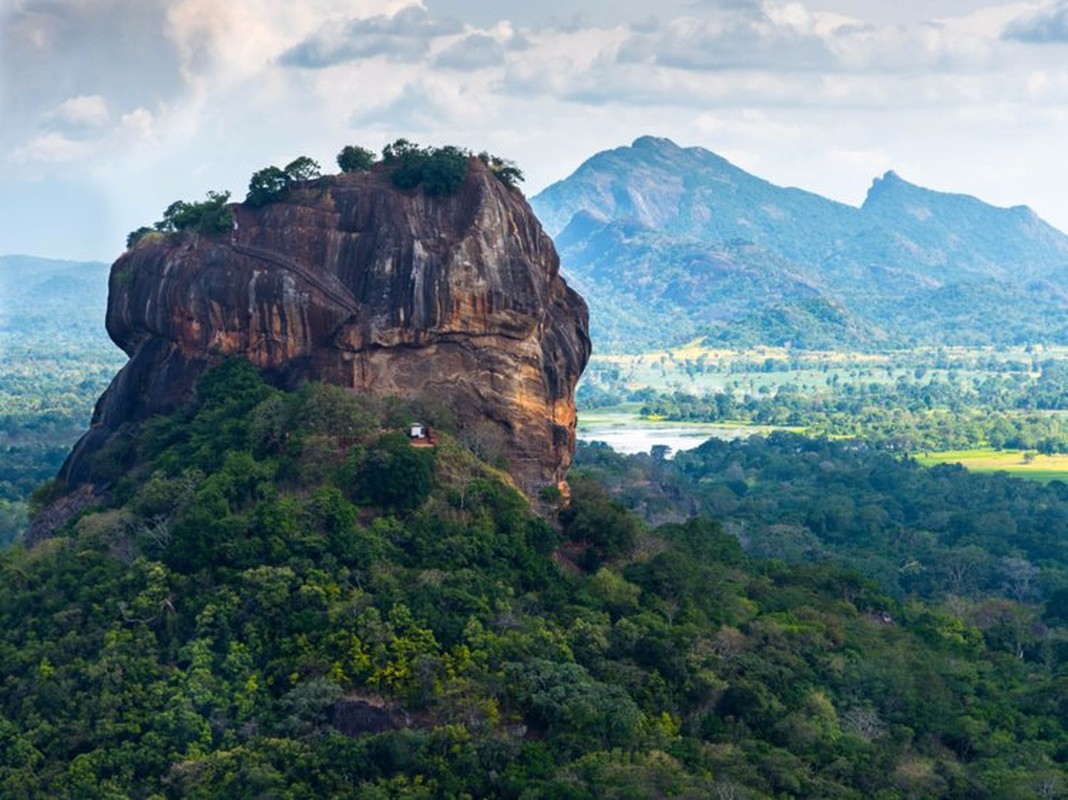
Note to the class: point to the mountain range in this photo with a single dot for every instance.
(669, 244)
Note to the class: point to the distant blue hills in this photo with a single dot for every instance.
(45, 302)
(669, 244)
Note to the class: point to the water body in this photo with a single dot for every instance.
(630, 434)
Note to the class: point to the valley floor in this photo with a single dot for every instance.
(990, 409)
(1034, 466)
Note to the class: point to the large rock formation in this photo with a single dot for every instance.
(355, 282)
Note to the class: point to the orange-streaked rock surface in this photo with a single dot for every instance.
(354, 282)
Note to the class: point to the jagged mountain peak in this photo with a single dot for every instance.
(658, 143)
(891, 187)
(889, 181)
(675, 157)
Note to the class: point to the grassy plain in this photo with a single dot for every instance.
(1016, 462)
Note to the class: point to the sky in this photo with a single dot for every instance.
(112, 109)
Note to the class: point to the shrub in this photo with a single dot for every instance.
(439, 170)
(503, 169)
(406, 159)
(444, 171)
(209, 216)
(133, 237)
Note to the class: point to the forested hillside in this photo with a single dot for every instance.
(671, 243)
(281, 597)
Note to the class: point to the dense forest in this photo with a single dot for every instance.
(56, 361)
(935, 533)
(281, 597)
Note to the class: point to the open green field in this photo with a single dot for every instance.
(1025, 465)
(927, 399)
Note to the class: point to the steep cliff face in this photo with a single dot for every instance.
(357, 283)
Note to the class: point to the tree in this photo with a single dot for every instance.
(211, 216)
(593, 518)
(1057, 607)
(444, 171)
(267, 186)
(572, 707)
(215, 216)
(135, 236)
(354, 158)
(303, 169)
(400, 151)
(177, 216)
(440, 170)
(396, 475)
(1020, 575)
(406, 158)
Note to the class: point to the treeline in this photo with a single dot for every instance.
(282, 598)
(436, 171)
(933, 533)
(909, 415)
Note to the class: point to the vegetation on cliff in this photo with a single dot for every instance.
(256, 613)
(437, 171)
(210, 217)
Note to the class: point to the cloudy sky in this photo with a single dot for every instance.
(111, 109)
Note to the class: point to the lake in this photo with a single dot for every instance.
(625, 431)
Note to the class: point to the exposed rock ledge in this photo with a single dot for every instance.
(357, 283)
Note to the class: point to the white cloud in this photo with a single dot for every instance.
(405, 35)
(52, 148)
(53, 50)
(138, 124)
(85, 110)
(87, 141)
(871, 161)
(748, 36)
(419, 107)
